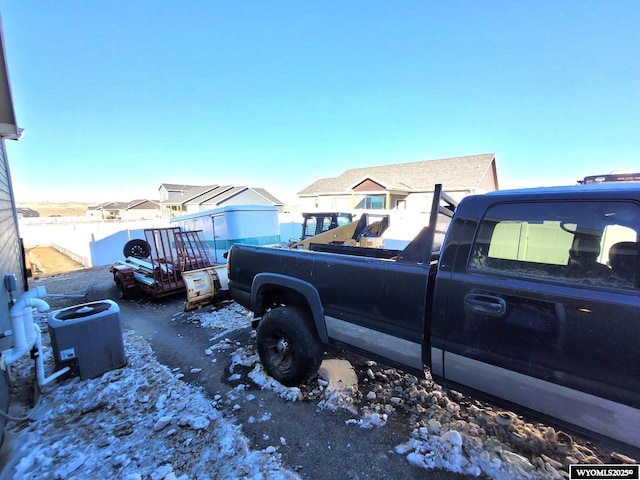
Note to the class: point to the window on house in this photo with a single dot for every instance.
(374, 202)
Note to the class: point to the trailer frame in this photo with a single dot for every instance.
(170, 253)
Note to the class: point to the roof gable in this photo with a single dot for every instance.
(368, 184)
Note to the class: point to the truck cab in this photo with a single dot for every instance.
(537, 304)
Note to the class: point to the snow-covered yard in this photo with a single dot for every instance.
(144, 422)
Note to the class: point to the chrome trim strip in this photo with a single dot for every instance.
(597, 414)
(397, 349)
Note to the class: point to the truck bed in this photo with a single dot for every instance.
(372, 305)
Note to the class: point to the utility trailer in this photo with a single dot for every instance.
(224, 226)
(160, 265)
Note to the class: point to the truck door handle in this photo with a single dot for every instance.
(485, 304)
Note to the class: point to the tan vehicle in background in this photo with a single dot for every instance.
(340, 229)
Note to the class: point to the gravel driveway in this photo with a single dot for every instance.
(320, 442)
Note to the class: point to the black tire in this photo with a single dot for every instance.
(288, 346)
(122, 294)
(137, 248)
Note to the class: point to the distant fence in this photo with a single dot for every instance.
(91, 244)
(98, 243)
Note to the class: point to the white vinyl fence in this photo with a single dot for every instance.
(91, 244)
(97, 243)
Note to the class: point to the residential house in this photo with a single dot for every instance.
(26, 212)
(105, 210)
(12, 265)
(401, 186)
(170, 192)
(208, 197)
(142, 209)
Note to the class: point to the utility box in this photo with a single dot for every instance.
(87, 338)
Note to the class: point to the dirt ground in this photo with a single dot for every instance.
(43, 261)
(51, 209)
(313, 442)
(179, 343)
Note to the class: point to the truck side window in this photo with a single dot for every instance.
(561, 241)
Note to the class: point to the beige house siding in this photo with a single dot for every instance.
(398, 201)
(329, 202)
(140, 214)
(419, 202)
(340, 202)
(309, 203)
(489, 182)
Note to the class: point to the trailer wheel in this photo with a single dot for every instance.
(122, 293)
(137, 248)
(288, 346)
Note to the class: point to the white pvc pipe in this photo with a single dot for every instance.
(23, 324)
(30, 323)
(17, 327)
(42, 380)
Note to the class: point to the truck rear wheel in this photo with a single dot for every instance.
(288, 346)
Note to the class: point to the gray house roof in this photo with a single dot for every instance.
(189, 195)
(209, 194)
(230, 192)
(223, 195)
(104, 206)
(133, 204)
(216, 194)
(457, 173)
(175, 187)
(142, 204)
(267, 195)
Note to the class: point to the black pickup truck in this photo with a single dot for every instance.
(529, 298)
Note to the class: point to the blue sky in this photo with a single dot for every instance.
(118, 97)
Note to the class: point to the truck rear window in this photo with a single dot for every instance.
(596, 243)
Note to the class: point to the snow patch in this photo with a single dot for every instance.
(100, 428)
